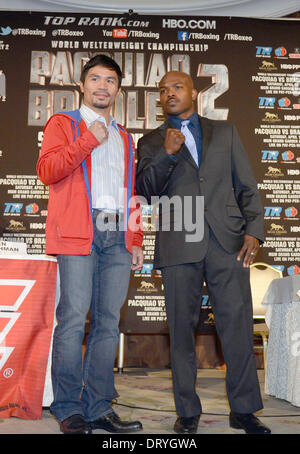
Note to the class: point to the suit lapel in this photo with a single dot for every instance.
(184, 151)
(206, 128)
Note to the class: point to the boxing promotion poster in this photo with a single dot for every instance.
(27, 295)
(246, 71)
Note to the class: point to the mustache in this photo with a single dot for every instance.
(101, 92)
(172, 98)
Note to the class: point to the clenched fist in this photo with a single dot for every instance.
(173, 141)
(99, 130)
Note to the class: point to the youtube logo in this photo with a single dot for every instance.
(120, 33)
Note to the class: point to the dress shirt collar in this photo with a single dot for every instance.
(90, 116)
(176, 121)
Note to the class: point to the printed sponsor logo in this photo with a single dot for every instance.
(294, 269)
(287, 155)
(263, 51)
(210, 320)
(291, 212)
(32, 208)
(293, 117)
(271, 117)
(296, 53)
(266, 102)
(146, 269)
(280, 52)
(274, 172)
(12, 208)
(10, 312)
(4, 31)
(267, 66)
(183, 36)
(120, 33)
(294, 171)
(205, 301)
(269, 155)
(279, 267)
(193, 23)
(284, 103)
(37, 225)
(147, 287)
(96, 21)
(15, 226)
(277, 229)
(272, 212)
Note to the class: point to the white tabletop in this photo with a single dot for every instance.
(283, 290)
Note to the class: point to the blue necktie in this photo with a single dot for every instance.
(189, 140)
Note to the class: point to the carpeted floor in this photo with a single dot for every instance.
(146, 394)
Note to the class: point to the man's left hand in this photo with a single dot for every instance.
(249, 250)
(137, 258)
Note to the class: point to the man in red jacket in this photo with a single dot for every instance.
(92, 227)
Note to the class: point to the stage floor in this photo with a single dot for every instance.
(146, 394)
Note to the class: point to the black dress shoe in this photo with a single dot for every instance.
(75, 425)
(112, 423)
(248, 422)
(185, 425)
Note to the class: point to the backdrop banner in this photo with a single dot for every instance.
(246, 71)
(27, 295)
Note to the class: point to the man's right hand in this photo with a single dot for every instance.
(99, 130)
(173, 141)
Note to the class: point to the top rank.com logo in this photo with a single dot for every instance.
(97, 21)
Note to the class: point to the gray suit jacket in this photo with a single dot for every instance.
(232, 205)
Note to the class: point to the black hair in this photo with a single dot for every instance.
(101, 60)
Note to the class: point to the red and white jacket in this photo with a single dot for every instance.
(65, 165)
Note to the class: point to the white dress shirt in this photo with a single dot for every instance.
(107, 165)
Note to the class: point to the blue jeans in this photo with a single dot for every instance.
(99, 283)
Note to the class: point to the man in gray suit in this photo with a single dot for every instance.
(204, 158)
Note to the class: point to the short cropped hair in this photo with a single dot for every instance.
(106, 62)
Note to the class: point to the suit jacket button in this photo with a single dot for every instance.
(201, 179)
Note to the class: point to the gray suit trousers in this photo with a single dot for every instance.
(230, 295)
